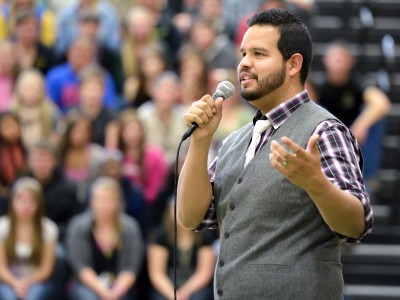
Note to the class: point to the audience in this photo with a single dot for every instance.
(63, 80)
(108, 58)
(27, 245)
(108, 260)
(68, 18)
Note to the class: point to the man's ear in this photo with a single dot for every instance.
(295, 63)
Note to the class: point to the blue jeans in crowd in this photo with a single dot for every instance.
(39, 291)
(81, 292)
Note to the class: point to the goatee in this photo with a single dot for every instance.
(266, 85)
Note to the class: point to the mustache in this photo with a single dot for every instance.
(247, 71)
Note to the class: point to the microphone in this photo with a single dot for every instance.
(225, 89)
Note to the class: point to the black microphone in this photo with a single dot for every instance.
(225, 89)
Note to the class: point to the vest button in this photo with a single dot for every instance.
(219, 292)
(221, 263)
(232, 206)
(240, 180)
(226, 235)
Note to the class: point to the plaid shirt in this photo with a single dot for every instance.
(340, 159)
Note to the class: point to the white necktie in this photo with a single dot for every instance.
(259, 128)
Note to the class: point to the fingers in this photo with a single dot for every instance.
(281, 157)
(286, 154)
(202, 110)
(312, 144)
(295, 149)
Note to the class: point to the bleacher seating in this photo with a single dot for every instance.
(371, 269)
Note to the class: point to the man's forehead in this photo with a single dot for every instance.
(257, 36)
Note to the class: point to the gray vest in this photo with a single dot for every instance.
(274, 242)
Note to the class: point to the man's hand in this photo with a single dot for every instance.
(206, 113)
(300, 166)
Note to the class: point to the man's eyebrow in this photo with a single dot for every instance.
(254, 49)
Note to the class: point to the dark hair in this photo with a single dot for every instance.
(73, 118)
(294, 35)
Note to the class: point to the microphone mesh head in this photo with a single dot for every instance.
(225, 89)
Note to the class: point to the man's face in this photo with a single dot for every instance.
(261, 70)
(41, 163)
(80, 55)
(338, 62)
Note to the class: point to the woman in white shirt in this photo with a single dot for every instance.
(27, 245)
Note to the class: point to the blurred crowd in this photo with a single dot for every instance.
(92, 97)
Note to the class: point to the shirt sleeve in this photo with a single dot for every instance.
(341, 162)
(210, 218)
(4, 228)
(50, 230)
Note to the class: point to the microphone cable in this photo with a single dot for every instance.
(225, 89)
(175, 218)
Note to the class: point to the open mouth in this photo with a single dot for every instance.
(246, 77)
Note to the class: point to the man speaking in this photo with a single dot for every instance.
(286, 190)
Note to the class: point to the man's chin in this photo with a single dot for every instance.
(249, 96)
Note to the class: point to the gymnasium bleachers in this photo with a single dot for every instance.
(371, 269)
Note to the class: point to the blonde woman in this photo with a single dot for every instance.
(38, 116)
(108, 259)
(27, 245)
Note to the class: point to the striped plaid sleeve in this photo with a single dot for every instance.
(210, 219)
(341, 162)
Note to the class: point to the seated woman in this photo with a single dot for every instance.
(195, 262)
(80, 157)
(38, 115)
(108, 259)
(144, 164)
(12, 156)
(27, 245)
